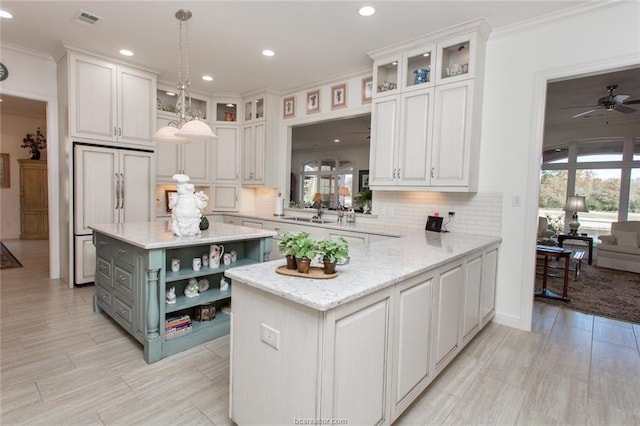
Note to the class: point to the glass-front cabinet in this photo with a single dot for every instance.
(227, 112)
(254, 110)
(417, 68)
(385, 76)
(168, 105)
(457, 59)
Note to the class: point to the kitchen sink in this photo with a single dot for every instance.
(307, 219)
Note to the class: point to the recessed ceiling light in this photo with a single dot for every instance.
(170, 93)
(126, 52)
(426, 54)
(268, 52)
(5, 14)
(207, 78)
(366, 11)
(230, 105)
(394, 63)
(336, 140)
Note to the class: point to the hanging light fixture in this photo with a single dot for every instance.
(187, 126)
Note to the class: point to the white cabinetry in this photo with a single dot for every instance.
(472, 284)
(260, 152)
(111, 186)
(488, 286)
(448, 315)
(110, 102)
(191, 159)
(425, 129)
(225, 177)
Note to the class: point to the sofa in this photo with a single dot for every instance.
(621, 249)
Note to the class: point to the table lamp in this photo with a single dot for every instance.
(317, 197)
(575, 204)
(344, 191)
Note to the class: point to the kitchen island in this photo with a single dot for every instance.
(133, 274)
(362, 346)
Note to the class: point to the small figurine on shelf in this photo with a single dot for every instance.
(224, 285)
(203, 285)
(171, 296)
(191, 290)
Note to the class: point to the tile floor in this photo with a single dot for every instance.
(61, 364)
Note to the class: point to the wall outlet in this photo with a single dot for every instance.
(270, 336)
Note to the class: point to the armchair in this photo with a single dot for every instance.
(620, 249)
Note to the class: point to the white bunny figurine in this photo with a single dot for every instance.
(171, 296)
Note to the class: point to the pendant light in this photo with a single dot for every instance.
(186, 127)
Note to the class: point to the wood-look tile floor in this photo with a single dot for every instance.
(61, 364)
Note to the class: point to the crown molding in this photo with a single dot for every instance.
(20, 49)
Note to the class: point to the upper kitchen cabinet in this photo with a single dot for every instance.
(167, 105)
(260, 140)
(110, 102)
(426, 112)
(191, 159)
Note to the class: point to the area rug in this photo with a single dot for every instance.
(599, 291)
(8, 259)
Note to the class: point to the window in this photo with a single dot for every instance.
(606, 172)
(327, 176)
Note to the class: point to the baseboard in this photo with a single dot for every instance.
(509, 321)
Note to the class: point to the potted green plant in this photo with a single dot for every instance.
(288, 248)
(363, 199)
(305, 251)
(333, 251)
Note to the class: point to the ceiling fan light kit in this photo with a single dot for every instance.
(611, 102)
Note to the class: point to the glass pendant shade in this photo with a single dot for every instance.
(195, 129)
(168, 134)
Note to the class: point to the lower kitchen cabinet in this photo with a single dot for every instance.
(448, 314)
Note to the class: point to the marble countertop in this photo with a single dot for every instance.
(371, 268)
(156, 235)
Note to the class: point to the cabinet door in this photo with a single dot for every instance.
(136, 106)
(248, 159)
(488, 289)
(452, 134)
(92, 103)
(97, 190)
(136, 186)
(195, 160)
(168, 156)
(415, 138)
(85, 266)
(472, 279)
(226, 155)
(411, 360)
(225, 198)
(384, 130)
(448, 317)
(259, 152)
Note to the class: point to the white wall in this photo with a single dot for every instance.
(13, 130)
(518, 65)
(33, 75)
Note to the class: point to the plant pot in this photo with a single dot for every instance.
(303, 264)
(204, 223)
(35, 154)
(329, 267)
(291, 262)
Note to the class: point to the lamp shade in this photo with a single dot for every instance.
(196, 129)
(576, 203)
(168, 134)
(317, 197)
(344, 191)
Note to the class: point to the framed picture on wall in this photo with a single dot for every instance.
(313, 101)
(339, 96)
(367, 89)
(363, 181)
(5, 171)
(289, 107)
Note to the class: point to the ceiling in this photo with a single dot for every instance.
(314, 41)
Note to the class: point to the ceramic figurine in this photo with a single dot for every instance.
(186, 208)
(191, 290)
(171, 296)
(224, 285)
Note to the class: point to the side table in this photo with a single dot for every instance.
(557, 253)
(585, 238)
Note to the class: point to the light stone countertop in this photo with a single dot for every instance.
(371, 268)
(156, 235)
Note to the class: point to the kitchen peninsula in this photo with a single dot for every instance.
(362, 346)
(133, 274)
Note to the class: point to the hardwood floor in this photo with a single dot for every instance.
(62, 364)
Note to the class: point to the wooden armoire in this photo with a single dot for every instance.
(34, 222)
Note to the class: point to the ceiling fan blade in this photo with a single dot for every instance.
(624, 109)
(580, 106)
(633, 102)
(585, 113)
(618, 99)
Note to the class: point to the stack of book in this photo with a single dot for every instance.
(177, 326)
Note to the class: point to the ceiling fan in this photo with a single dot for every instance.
(611, 102)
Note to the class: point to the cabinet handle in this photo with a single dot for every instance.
(122, 191)
(103, 297)
(117, 191)
(398, 176)
(122, 278)
(122, 251)
(119, 131)
(236, 175)
(276, 229)
(102, 267)
(433, 172)
(115, 132)
(121, 312)
(102, 243)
